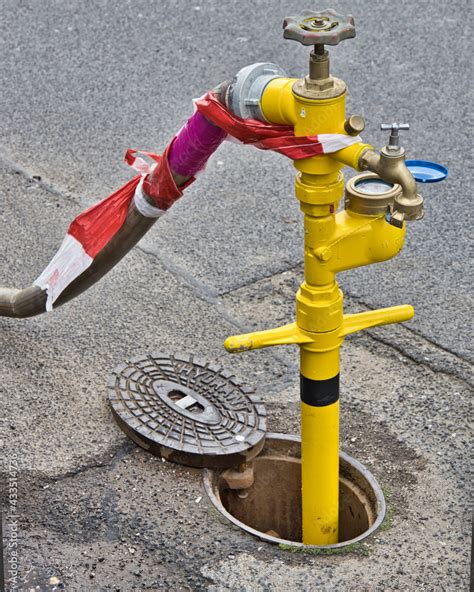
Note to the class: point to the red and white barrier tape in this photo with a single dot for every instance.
(266, 136)
(92, 230)
(88, 234)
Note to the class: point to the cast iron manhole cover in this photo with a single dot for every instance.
(187, 410)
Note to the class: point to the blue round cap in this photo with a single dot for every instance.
(425, 171)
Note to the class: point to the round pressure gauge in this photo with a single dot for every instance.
(373, 186)
(369, 195)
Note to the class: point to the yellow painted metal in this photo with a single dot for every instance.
(280, 336)
(320, 447)
(324, 342)
(334, 242)
(374, 318)
(320, 473)
(282, 106)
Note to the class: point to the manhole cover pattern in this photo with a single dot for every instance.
(220, 416)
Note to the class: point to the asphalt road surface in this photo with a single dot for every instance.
(81, 83)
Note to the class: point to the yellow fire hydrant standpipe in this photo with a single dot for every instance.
(370, 229)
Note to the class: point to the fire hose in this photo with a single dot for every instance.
(104, 233)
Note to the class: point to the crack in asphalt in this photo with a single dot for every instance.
(210, 296)
(125, 449)
(19, 169)
(415, 332)
(262, 278)
(199, 289)
(114, 455)
(413, 358)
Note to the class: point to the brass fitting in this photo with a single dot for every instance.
(319, 84)
(366, 203)
(239, 478)
(354, 125)
(390, 166)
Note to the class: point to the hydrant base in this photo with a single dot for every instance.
(271, 507)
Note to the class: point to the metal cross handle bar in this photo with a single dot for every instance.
(394, 140)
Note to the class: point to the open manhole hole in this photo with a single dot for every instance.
(187, 410)
(271, 507)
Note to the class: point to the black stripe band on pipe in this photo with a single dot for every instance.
(319, 393)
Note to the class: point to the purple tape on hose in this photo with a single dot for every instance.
(194, 144)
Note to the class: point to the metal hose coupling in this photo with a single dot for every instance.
(74, 268)
(245, 92)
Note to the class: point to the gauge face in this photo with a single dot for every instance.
(373, 186)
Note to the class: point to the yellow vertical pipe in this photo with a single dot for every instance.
(319, 450)
(319, 187)
(320, 473)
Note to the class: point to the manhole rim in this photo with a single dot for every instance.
(358, 466)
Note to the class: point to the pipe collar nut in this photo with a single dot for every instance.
(246, 90)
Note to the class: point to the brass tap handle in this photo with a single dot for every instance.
(319, 28)
(394, 140)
